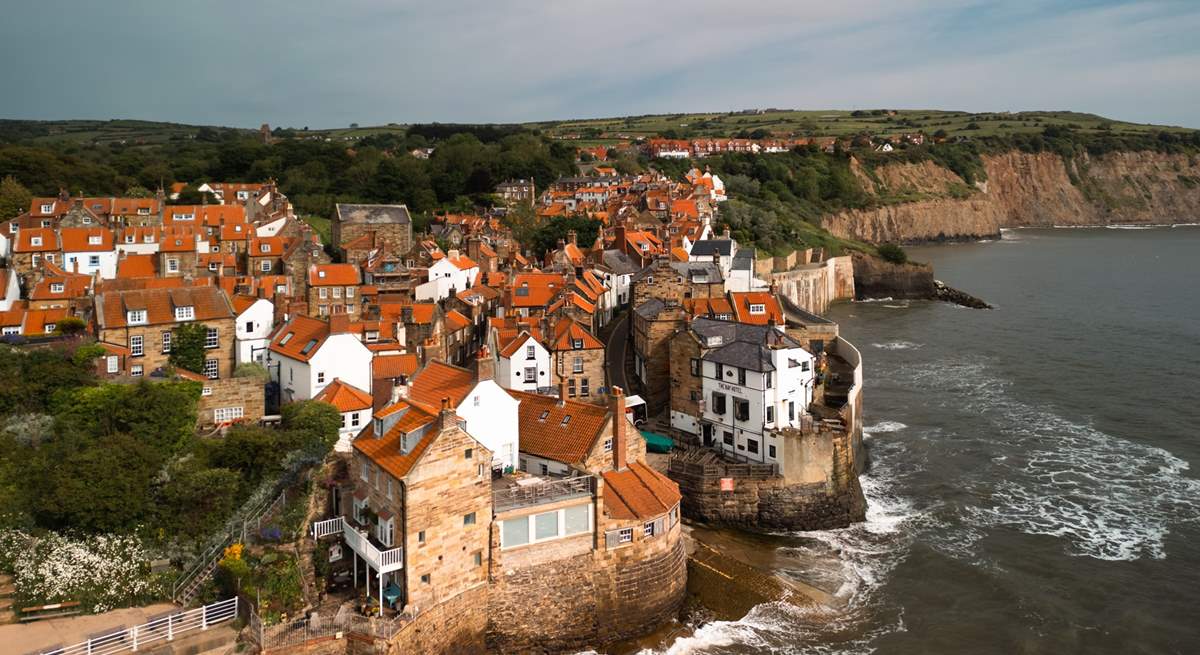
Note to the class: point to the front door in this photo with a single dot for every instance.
(707, 430)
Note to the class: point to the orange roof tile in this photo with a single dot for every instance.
(568, 331)
(320, 275)
(47, 240)
(208, 303)
(386, 451)
(300, 338)
(456, 321)
(86, 239)
(345, 397)
(638, 492)
(440, 380)
(137, 266)
(562, 432)
(742, 300)
(394, 366)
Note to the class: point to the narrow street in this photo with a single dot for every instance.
(614, 353)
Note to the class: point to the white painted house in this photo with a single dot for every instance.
(755, 380)
(489, 411)
(523, 364)
(10, 289)
(89, 251)
(255, 321)
(354, 405)
(447, 276)
(307, 354)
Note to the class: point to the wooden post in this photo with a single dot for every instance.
(380, 592)
(133, 632)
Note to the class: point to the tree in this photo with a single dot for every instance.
(251, 370)
(316, 424)
(69, 325)
(893, 253)
(138, 191)
(14, 198)
(187, 347)
(194, 499)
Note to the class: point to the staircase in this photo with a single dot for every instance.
(8, 613)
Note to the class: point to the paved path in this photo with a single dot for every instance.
(70, 630)
(614, 354)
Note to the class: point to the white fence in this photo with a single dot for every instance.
(162, 629)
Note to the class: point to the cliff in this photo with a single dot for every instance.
(925, 202)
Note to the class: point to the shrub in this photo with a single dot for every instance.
(893, 253)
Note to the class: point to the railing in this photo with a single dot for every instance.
(296, 633)
(545, 492)
(382, 561)
(165, 628)
(334, 525)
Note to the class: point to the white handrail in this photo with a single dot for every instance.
(161, 629)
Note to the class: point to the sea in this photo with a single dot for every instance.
(1034, 480)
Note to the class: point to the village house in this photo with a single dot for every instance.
(355, 406)
(522, 361)
(390, 225)
(447, 276)
(333, 289)
(255, 321)
(306, 354)
(515, 192)
(576, 358)
(142, 322)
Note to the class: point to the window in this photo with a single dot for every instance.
(571, 387)
(93, 240)
(421, 537)
(320, 377)
(727, 438)
(349, 292)
(93, 260)
(741, 376)
(211, 338)
(608, 445)
(545, 526)
(469, 519)
(771, 451)
(136, 345)
(337, 292)
(477, 558)
(648, 529)
(213, 266)
(185, 313)
(36, 258)
(172, 265)
(265, 266)
(354, 419)
(531, 374)
(372, 335)
(249, 326)
(530, 352)
(322, 293)
(468, 453)
(113, 363)
(364, 471)
(206, 391)
(583, 387)
(46, 209)
(741, 409)
(577, 344)
(545, 470)
(359, 506)
(35, 241)
(770, 414)
(514, 532)
(752, 446)
(791, 411)
(695, 367)
(577, 365)
(136, 370)
(625, 536)
(166, 342)
(56, 287)
(211, 369)
(770, 380)
(758, 308)
(135, 317)
(575, 520)
(226, 414)
(718, 403)
(389, 487)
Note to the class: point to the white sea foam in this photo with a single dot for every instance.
(1105, 496)
(1133, 227)
(897, 345)
(884, 299)
(884, 426)
(896, 306)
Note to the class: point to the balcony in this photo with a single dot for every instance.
(510, 493)
(383, 561)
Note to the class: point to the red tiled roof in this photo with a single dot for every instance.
(73, 286)
(638, 492)
(79, 239)
(137, 266)
(320, 275)
(440, 380)
(742, 300)
(208, 302)
(345, 397)
(549, 436)
(385, 451)
(300, 338)
(568, 330)
(394, 366)
(25, 240)
(456, 321)
(535, 289)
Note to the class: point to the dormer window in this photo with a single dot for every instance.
(129, 238)
(46, 209)
(135, 317)
(264, 248)
(56, 287)
(372, 335)
(185, 313)
(94, 240)
(35, 241)
(149, 238)
(758, 308)
(577, 344)
(184, 217)
(87, 220)
(144, 211)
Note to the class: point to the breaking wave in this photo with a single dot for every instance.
(1105, 496)
(897, 345)
(884, 426)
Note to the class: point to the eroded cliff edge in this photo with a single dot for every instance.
(922, 202)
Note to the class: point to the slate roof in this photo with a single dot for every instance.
(619, 263)
(707, 247)
(742, 344)
(377, 214)
(650, 309)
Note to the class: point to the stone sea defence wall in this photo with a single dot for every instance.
(812, 287)
(1023, 190)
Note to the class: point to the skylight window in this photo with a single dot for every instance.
(312, 343)
(565, 421)
(286, 338)
(545, 413)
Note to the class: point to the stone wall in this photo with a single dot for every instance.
(813, 287)
(246, 393)
(455, 626)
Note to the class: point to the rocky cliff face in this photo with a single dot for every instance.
(925, 202)
(876, 278)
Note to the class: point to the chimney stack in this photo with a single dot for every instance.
(446, 416)
(484, 368)
(339, 323)
(562, 391)
(619, 420)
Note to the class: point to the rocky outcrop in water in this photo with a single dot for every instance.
(876, 278)
(952, 295)
(1022, 190)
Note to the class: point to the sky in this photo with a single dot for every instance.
(329, 63)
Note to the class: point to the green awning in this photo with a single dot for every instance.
(657, 443)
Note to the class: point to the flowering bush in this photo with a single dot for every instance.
(102, 572)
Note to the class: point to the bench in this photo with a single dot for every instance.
(52, 610)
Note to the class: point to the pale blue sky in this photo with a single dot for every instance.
(330, 63)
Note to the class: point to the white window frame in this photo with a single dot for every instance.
(265, 266)
(137, 345)
(212, 369)
(57, 287)
(172, 265)
(166, 342)
(185, 313)
(136, 370)
(212, 338)
(113, 362)
(226, 414)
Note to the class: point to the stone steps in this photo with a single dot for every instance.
(8, 590)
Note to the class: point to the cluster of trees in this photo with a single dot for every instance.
(467, 163)
(76, 454)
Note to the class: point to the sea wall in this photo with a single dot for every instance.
(812, 287)
(1021, 190)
